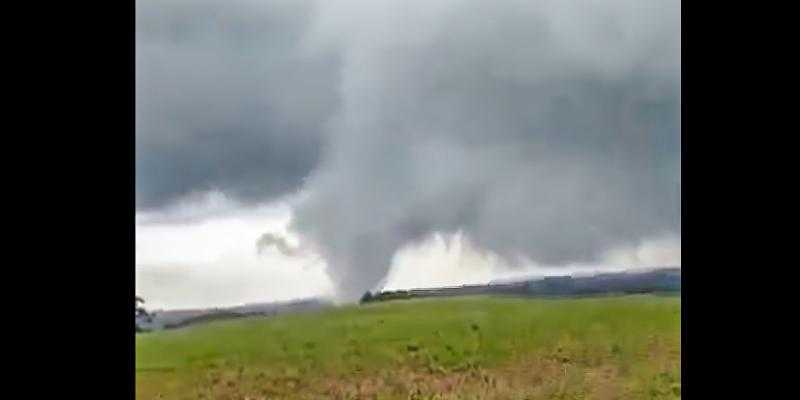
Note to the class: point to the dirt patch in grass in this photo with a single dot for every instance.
(540, 377)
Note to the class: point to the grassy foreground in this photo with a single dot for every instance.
(457, 348)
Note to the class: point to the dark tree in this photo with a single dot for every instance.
(140, 313)
(366, 297)
(139, 310)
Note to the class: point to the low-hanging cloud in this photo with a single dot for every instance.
(280, 243)
(545, 131)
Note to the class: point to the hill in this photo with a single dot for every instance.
(170, 319)
(627, 282)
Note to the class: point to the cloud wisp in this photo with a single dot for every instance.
(278, 242)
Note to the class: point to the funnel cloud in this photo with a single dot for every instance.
(544, 132)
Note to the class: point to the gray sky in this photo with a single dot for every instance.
(541, 133)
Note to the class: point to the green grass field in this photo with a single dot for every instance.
(455, 348)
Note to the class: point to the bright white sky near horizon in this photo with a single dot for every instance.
(546, 131)
(203, 254)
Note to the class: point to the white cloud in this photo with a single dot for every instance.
(442, 260)
(188, 262)
(213, 261)
(449, 260)
(662, 251)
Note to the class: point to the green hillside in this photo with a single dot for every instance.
(455, 348)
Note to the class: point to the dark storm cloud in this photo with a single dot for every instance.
(545, 130)
(227, 99)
